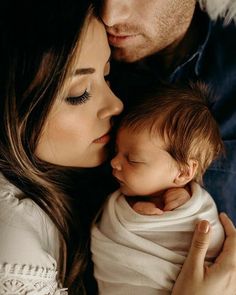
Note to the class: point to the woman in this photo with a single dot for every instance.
(55, 113)
(56, 108)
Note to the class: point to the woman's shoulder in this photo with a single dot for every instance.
(17, 210)
(29, 242)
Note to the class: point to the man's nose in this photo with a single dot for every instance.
(114, 12)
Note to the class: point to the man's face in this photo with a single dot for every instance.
(139, 28)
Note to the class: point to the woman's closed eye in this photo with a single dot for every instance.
(75, 100)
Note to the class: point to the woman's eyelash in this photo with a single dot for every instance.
(75, 100)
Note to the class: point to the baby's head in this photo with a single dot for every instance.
(166, 141)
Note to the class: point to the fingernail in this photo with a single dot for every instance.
(203, 226)
(224, 214)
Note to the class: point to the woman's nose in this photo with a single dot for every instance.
(116, 164)
(114, 12)
(113, 106)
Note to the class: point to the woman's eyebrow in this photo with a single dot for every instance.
(84, 71)
(87, 71)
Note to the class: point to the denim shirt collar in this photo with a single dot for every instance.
(196, 56)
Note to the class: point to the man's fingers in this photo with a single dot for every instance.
(228, 254)
(199, 245)
(227, 224)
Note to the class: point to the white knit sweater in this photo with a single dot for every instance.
(29, 246)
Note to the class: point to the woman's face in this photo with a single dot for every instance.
(77, 128)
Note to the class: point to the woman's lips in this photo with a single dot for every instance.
(103, 139)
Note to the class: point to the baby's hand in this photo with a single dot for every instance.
(175, 197)
(170, 200)
(147, 208)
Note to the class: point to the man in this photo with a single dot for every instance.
(175, 41)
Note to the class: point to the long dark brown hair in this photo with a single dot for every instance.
(38, 44)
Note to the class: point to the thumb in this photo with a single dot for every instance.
(199, 245)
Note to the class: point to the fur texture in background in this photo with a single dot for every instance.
(220, 8)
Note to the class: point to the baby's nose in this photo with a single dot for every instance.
(115, 163)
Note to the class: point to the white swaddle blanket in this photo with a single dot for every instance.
(135, 254)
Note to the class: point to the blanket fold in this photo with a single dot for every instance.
(137, 254)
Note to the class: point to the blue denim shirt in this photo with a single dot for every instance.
(213, 62)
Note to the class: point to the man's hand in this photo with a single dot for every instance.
(197, 279)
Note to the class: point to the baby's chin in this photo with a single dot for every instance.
(128, 192)
(125, 191)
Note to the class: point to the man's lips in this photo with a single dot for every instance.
(120, 39)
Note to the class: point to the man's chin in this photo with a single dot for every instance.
(123, 55)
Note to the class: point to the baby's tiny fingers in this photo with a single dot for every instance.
(146, 208)
(175, 204)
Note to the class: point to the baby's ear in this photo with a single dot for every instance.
(187, 173)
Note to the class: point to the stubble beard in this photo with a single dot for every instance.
(134, 53)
